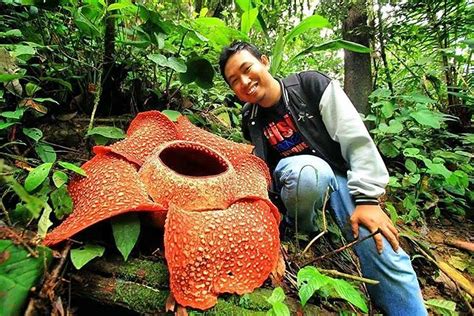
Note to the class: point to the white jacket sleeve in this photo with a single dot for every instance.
(367, 174)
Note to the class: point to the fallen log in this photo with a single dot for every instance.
(142, 286)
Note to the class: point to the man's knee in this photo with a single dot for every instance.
(305, 170)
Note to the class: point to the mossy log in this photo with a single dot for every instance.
(141, 286)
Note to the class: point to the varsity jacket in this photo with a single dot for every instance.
(331, 127)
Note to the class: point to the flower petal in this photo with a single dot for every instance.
(190, 175)
(112, 187)
(226, 147)
(146, 132)
(219, 251)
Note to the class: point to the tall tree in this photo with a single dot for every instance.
(357, 66)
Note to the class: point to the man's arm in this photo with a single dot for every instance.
(368, 175)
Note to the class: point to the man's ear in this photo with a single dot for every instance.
(265, 60)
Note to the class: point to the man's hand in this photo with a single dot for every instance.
(373, 218)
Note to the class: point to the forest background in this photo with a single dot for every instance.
(73, 73)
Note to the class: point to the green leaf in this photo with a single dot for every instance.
(24, 50)
(388, 149)
(418, 98)
(315, 21)
(411, 165)
(44, 222)
(172, 115)
(176, 64)
(45, 152)
(332, 45)
(443, 307)
(277, 54)
(279, 309)
(19, 272)
(14, 115)
(428, 118)
(11, 33)
(5, 125)
(41, 100)
(62, 202)
(347, 292)
(248, 19)
(278, 295)
(62, 82)
(244, 5)
(37, 176)
(81, 256)
(119, 6)
(198, 70)
(126, 230)
(59, 178)
(387, 109)
(158, 59)
(10, 77)
(72, 167)
(394, 127)
(309, 281)
(31, 89)
(437, 168)
(33, 204)
(107, 131)
(33, 133)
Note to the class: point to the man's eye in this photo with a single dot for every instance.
(248, 68)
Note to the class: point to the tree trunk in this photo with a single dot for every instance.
(142, 286)
(357, 69)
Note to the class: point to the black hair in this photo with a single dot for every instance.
(233, 48)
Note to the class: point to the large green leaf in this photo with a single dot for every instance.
(314, 21)
(346, 291)
(277, 54)
(37, 176)
(333, 45)
(199, 70)
(248, 19)
(172, 115)
(176, 64)
(19, 272)
(10, 77)
(126, 230)
(81, 256)
(428, 118)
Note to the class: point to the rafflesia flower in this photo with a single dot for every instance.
(221, 230)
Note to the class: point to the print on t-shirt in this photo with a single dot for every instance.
(284, 137)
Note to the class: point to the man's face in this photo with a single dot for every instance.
(249, 78)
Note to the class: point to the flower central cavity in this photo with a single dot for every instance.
(193, 160)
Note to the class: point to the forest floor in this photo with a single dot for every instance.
(433, 239)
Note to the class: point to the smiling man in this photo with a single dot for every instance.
(312, 138)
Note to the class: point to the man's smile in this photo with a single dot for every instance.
(252, 89)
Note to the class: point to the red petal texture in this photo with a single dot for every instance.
(212, 252)
(227, 148)
(221, 231)
(146, 132)
(112, 187)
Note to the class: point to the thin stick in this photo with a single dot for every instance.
(325, 230)
(9, 233)
(50, 282)
(349, 276)
(352, 243)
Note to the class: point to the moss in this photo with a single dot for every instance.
(226, 308)
(154, 274)
(140, 298)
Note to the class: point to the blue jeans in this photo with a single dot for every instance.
(303, 181)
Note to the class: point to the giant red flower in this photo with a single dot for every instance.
(221, 230)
